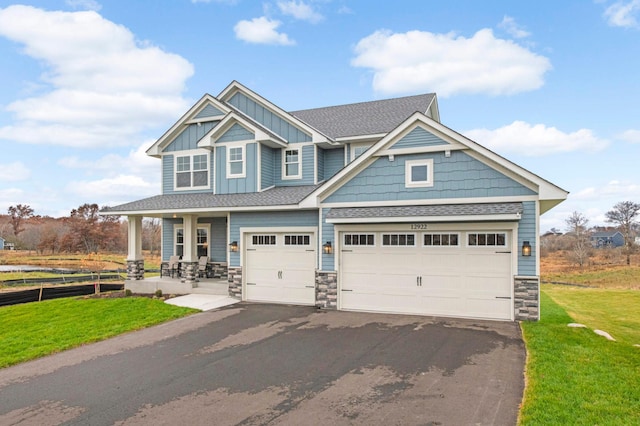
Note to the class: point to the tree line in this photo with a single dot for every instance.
(83, 231)
(623, 217)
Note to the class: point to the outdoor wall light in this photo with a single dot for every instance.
(526, 249)
(327, 248)
(233, 247)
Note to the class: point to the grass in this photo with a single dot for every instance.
(33, 330)
(575, 376)
(619, 277)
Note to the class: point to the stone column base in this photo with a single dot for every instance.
(189, 273)
(327, 289)
(135, 270)
(235, 281)
(526, 298)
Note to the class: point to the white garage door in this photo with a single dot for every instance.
(461, 274)
(280, 268)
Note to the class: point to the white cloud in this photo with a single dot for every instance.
(84, 4)
(261, 31)
(118, 187)
(623, 14)
(94, 83)
(611, 190)
(631, 135)
(14, 172)
(512, 28)
(449, 64)
(536, 140)
(300, 10)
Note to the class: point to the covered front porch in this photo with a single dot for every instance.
(195, 256)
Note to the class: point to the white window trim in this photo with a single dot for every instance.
(244, 162)
(408, 183)
(205, 226)
(284, 159)
(190, 154)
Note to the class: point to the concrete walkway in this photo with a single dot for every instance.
(204, 302)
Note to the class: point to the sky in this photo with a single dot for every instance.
(86, 86)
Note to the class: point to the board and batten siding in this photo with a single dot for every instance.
(266, 220)
(320, 163)
(418, 137)
(236, 185)
(189, 137)
(209, 111)
(168, 175)
(268, 158)
(236, 133)
(268, 119)
(459, 176)
(333, 162)
(527, 232)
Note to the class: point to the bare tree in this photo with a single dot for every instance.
(151, 234)
(577, 229)
(18, 215)
(624, 214)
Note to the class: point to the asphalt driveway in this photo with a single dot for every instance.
(271, 364)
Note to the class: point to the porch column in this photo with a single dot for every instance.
(190, 249)
(135, 261)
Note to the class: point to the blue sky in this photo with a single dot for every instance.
(87, 86)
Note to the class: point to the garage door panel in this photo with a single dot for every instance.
(432, 280)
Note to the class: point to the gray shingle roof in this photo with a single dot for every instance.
(437, 210)
(364, 118)
(280, 196)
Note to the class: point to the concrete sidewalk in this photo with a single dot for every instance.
(204, 302)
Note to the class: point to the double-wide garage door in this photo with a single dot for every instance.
(280, 267)
(461, 274)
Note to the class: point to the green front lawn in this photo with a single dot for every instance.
(574, 376)
(32, 330)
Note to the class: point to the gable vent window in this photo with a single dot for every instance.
(418, 173)
(398, 240)
(192, 171)
(291, 166)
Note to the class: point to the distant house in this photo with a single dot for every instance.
(607, 239)
(1, 243)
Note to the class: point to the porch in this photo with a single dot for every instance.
(169, 285)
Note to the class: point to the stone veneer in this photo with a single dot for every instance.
(327, 290)
(235, 281)
(526, 298)
(135, 269)
(189, 273)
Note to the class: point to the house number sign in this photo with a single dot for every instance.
(419, 226)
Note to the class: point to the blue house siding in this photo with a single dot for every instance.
(459, 176)
(209, 111)
(328, 260)
(236, 133)
(236, 185)
(320, 163)
(189, 137)
(418, 137)
(268, 158)
(167, 237)
(268, 119)
(308, 158)
(267, 219)
(333, 162)
(527, 232)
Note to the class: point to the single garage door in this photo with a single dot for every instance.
(459, 274)
(280, 268)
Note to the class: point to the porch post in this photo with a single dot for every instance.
(190, 250)
(135, 261)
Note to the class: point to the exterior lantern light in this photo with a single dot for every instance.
(526, 249)
(327, 248)
(233, 247)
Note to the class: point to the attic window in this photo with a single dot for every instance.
(418, 173)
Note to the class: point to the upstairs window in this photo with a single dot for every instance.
(291, 167)
(192, 171)
(235, 166)
(418, 173)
